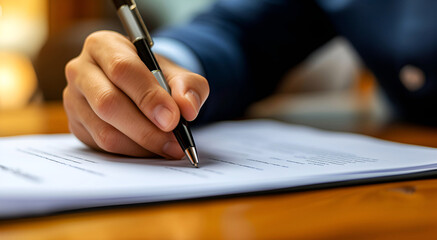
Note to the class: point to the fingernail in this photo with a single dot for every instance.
(163, 116)
(194, 99)
(173, 149)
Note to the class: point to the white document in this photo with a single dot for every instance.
(47, 173)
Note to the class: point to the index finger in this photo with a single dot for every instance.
(120, 62)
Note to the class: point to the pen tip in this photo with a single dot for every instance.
(191, 154)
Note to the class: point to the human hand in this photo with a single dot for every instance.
(114, 103)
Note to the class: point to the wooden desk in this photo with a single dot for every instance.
(400, 210)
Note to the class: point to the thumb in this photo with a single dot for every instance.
(188, 89)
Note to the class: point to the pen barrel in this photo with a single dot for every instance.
(183, 134)
(146, 55)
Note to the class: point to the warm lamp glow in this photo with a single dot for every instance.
(23, 30)
(23, 25)
(17, 80)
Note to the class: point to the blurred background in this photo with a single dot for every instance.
(38, 37)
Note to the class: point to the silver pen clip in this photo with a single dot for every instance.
(137, 16)
(133, 23)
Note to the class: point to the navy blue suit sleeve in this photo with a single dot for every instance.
(246, 46)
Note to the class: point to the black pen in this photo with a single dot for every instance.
(133, 24)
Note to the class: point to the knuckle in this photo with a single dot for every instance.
(105, 102)
(94, 38)
(69, 104)
(146, 97)
(118, 67)
(65, 93)
(91, 40)
(71, 70)
(65, 97)
(147, 138)
(106, 138)
(103, 37)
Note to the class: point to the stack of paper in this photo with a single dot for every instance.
(48, 173)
